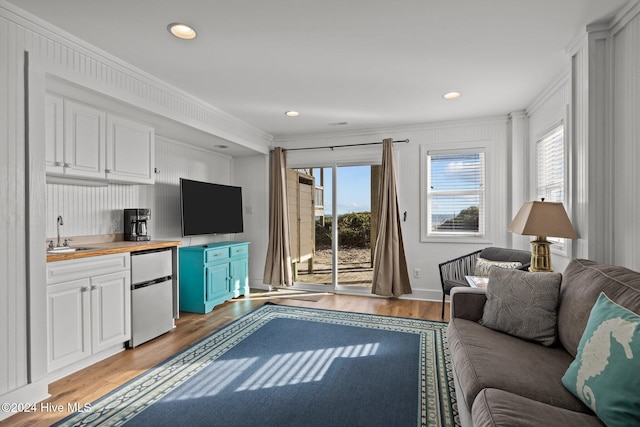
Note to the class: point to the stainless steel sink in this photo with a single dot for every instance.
(67, 249)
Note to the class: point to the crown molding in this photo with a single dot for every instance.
(552, 88)
(630, 11)
(359, 135)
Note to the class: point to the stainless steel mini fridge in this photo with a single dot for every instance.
(151, 295)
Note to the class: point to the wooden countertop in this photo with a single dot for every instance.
(106, 248)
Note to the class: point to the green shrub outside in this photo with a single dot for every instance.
(354, 231)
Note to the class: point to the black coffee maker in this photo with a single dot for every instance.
(135, 224)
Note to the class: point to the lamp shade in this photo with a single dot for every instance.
(547, 219)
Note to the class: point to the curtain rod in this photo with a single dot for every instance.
(341, 146)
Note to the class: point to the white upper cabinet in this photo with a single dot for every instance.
(85, 143)
(130, 151)
(54, 134)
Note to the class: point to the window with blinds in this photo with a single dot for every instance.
(455, 192)
(551, 172)
(550, 155)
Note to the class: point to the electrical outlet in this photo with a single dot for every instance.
(117, 225)
(416, 272)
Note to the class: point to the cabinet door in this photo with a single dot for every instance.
(110, 310)
(239, 277)
(217, 282)
(54, 134)
(130, 151)
(84, 141)
(68, 323)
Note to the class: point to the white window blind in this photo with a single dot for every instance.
(551, 173)
(455, 192)
(550, 153)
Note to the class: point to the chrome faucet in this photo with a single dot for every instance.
(60, 222)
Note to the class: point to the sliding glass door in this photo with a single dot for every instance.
(337, 254)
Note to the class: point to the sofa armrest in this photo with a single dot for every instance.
(468, 303)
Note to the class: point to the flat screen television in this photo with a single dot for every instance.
(209, 208)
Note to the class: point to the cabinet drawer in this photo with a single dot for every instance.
(239, 250)
(218, 254)
(64, 271)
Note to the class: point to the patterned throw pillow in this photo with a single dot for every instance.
(523, 304)
(484, 265)
(605, 374)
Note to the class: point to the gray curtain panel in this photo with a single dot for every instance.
(277, 268)
(390, 274)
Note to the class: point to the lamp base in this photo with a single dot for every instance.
(540, 255)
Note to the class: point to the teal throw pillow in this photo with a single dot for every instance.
(605, 374)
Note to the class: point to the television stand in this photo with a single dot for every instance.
(211, 274)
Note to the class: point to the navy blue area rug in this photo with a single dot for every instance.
(294, 366)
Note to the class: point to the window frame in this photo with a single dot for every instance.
(559, 246)
(427, 235)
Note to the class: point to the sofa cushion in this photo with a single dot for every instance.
(483, 266)
(606, 372)
(484, 358)
(582, 283)
(494, 408)
(523, 304)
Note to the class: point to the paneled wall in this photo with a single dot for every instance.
(605, 109)
(13, 337)
(626, 144)
(175, 160)
(580, 149)
(88, 210)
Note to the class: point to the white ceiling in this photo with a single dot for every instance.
(370, 63)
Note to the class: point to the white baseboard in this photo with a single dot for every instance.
(84, 363)
(424, 295)
(24, 397)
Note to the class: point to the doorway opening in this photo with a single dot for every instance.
(332, 226)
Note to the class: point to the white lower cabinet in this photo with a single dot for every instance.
(68, 323)
(88, 310)
(110, 310)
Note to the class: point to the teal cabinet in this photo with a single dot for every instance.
(212, 274)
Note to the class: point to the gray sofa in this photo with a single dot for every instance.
(502, 380)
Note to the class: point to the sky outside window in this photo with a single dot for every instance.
(354, 189)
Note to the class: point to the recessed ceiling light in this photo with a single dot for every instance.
(292, 114)
(182, 31)
(451, 95)
(221, 146)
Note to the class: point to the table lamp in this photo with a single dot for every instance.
(542, 219)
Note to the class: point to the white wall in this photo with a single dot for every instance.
(626, 141)
(490, 132)
(252, 174)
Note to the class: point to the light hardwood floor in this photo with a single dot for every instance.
(97, 380)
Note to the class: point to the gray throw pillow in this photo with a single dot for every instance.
(523, 304)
